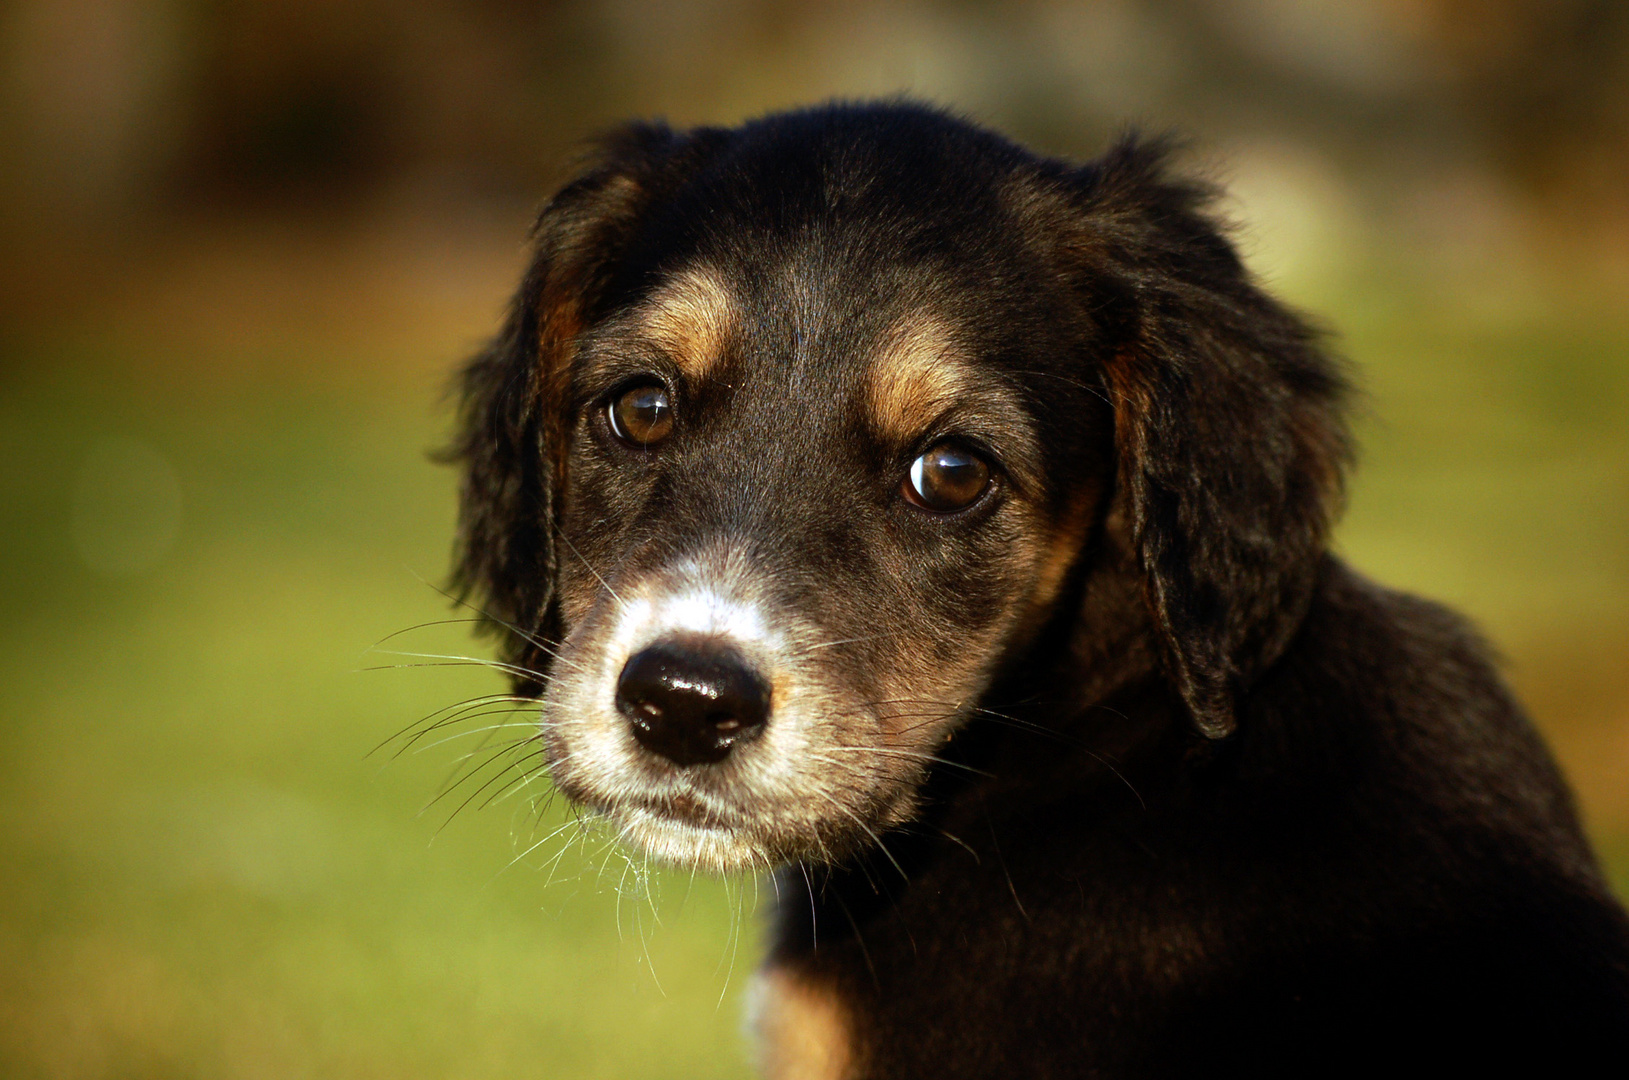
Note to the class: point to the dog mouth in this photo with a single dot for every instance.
(683, 809)
(718, 833)
(681, 832)
(677, 827)
(712, 831)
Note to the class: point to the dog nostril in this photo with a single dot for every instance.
(691, 700)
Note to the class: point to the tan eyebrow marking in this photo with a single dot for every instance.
(918, 373)
(691, 317)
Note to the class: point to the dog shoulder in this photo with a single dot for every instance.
(1402, 699)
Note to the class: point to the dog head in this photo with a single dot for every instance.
(799, 434)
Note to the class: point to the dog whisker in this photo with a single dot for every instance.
(915, 755)
(859, 821)
(1040, 729)
(489, 617)
(529, 706)
(444, 740)
(1094, 390)
(590, 567)
(493, 665)
(500, 665)
(569, 823)
(843, 641)
(470, 703)
(959, 842)
(526, 773)
(464, 776)
(421, 626)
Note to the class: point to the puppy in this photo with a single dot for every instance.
(944, 529)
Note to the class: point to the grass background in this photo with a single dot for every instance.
(204, 874)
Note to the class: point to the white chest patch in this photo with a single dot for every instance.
(801, 1028)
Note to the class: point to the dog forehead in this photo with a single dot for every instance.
(792, 306)
(847, 338)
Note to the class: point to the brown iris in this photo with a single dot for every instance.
(946, 478)
(642, 415)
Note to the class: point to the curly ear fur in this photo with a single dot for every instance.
(512, 423)
(1229, 429)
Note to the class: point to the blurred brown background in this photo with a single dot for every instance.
(242, 244)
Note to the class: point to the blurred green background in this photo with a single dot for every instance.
(243, 244)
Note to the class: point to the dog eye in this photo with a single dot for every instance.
(947, 478)
(642, 415)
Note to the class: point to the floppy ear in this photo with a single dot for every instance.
(511, 443)
(1229, 430)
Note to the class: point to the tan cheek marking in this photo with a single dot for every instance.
(802, 1028)
(917, 374)
(1059, 552)
(691, 318)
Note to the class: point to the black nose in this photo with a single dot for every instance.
(691, 700)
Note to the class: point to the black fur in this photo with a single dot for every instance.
(1234, 807)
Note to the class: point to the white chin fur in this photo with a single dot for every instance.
(711, 849)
